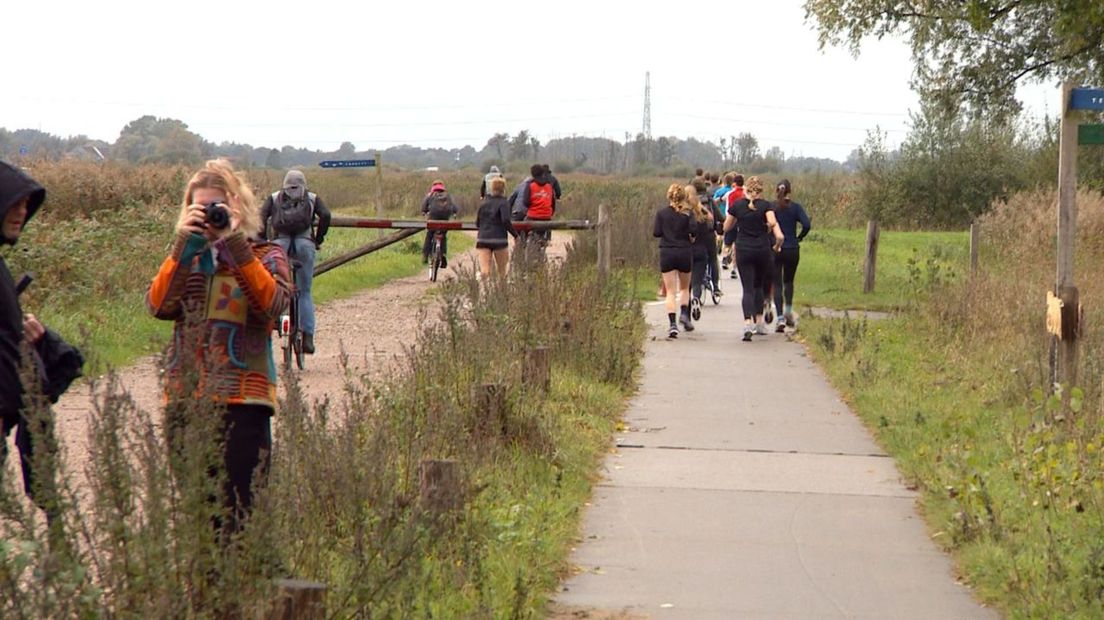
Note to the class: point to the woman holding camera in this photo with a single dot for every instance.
(224, 289)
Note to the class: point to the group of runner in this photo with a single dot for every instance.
(760, 243)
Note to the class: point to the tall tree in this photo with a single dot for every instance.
(974, 52)
(747, 148)
(519, 147)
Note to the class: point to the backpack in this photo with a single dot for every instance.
(440, 206)
(292, 217)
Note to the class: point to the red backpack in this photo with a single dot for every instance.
(541, 199)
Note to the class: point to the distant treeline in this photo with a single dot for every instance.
(152, 140)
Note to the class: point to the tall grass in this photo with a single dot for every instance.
(959, 392)
(342, 505)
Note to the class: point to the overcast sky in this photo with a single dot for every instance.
(314, 74)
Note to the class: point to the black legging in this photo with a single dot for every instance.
(754, 267)
(697, 273)
(785, 268)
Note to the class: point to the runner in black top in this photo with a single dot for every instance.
(495, 229)
(789, 215)
(673, 227)
(704, 250)
(757, 237)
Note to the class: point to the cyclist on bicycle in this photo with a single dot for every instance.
(297, 220)
(438, 206)
(538, 198)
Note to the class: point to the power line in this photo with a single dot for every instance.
(780, 124)
(791, 108)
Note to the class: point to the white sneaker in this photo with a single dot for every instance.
(761, 329)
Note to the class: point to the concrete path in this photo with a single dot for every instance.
(744, 488)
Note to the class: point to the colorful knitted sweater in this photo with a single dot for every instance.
(224, 298)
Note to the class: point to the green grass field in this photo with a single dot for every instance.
(831, 270)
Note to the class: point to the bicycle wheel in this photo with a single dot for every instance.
(437, 258)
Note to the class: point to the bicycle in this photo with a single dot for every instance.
(291, 336)
(437, 259)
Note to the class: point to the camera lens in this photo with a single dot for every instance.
(217, 215)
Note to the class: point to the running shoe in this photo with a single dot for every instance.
(687, 324)
(749, 331)
(761, 329)
(672, 331)
(695, 309)
(789, 317)
(780, 327)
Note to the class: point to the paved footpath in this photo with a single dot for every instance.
(745, 488)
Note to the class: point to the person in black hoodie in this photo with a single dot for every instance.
(437, 206)
(20, 198)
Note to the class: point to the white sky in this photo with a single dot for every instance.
(316, 73)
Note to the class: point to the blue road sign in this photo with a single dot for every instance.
(348, 163)
(23, 150)
(1087, 99)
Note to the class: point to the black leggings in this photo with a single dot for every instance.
(247, 432)
(697, 273)
(785, 268)
(754, 267)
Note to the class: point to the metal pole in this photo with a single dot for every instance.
(1065, 370)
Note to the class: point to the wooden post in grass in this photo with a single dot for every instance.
(537, 369)
(975, 242)
(1064, 363)
(604, 238)
(298, 600)
(379, 184)
(870, 264)
(489, 400)
(439, 485)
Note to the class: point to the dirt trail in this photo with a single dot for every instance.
(372, 327)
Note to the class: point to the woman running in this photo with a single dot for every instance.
(757, 237)
(704, 249)
(673, 227)
(492, 242)
(789, 214)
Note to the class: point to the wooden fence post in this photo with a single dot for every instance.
(975, 242)
(439, 485)
(489, 400)
(537, 369)
(604, 234)
(298, 600)
(1064, 364)
(870, 264)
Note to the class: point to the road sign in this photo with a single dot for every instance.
(1087, 99)
(348, 163)
(1090, 134)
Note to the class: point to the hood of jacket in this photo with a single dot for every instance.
(14, 186)
(543, 179)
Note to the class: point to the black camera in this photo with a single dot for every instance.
(216, 215)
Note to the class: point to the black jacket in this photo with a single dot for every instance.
(493, 221)
(14, 186)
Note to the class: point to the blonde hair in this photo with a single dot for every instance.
(693, 204)
(498, 186)
(753, 189)
(220, 174)
(676, 195)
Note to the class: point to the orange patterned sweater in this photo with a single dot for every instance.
(224, 298)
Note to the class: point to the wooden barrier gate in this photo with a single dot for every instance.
(407, 228)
